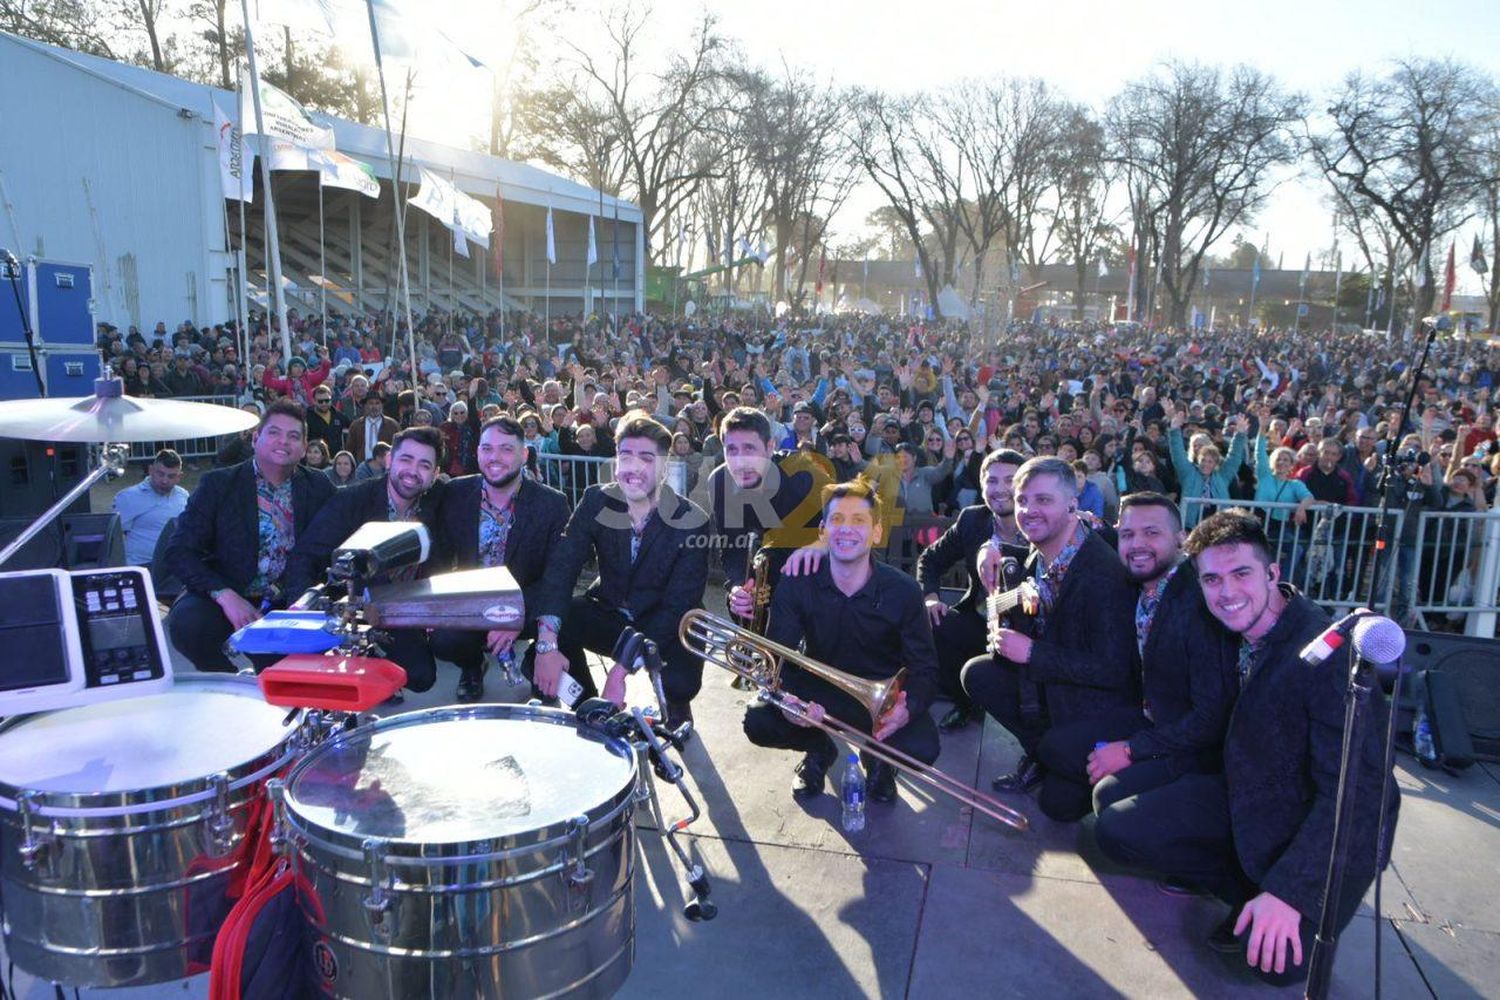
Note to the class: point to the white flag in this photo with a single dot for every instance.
(235, 176)
(460, 245)
(340, 171)
(288, 155)
(282, 117)
(593, 252)
(1103, 268)
(551, 241)
(454, 209)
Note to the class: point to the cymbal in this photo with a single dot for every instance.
(106, 419)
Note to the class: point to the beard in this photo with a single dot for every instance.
(505, 480)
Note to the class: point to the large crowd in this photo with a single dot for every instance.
(1294, 419)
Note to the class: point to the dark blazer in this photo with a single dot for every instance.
(355, 440)
(1188, 676)
(970, 532)
(1281, 762)
(785, 520)
(350, 507)
(217, 541)
(661, 586)
(541, 513)
(1085, 656)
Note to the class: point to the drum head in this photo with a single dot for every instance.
(446, 778)
(199, 728)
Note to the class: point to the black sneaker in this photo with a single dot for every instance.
(809, 778)
(957, 718)
(880, 782)
(1223, 939)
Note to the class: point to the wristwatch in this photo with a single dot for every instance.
(543, 646)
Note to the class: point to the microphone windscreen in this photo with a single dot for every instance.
(1379, 640)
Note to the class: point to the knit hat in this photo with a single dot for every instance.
(296, 360)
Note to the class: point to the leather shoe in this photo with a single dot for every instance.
(1222, 938)
(1027, 775)
(880, 782)
(957, 718)
(809, 778)
(680, 713)
(470, 687)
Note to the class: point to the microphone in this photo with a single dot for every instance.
(1332, 637)
(1378, 639)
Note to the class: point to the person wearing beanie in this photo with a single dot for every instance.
(299, 382)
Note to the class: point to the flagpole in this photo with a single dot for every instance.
(273, 244)
(614, 266)
(243, 282)
(400, 203)
(322, 268)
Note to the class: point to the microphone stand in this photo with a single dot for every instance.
(1323, 944)
(12, 269)
(1320, 968)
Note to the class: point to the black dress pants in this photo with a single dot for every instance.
(1066, 794)
(766, 726)
(959, 637)
(994, 684)
(593, 627)
(1182, 830)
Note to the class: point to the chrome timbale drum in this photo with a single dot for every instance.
(119, 824)
(483, 851)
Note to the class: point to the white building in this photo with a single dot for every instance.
(117, 166)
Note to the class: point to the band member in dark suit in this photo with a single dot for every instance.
(760, 492)
(497, 518)
(959, 631)
(231, 544)
(864, 618)
(402, 495)
(1259, 836)
(1075, 659)
(1186, 678)
(652, 550)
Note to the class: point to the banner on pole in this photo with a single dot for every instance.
(282, 118)
(466, 217)
(591, 257)
(551, 239)
(235, 176)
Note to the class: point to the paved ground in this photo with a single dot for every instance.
(929, 902)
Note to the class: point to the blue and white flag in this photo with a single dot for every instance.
(551, 239)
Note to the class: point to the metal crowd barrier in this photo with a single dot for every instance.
(1330, 557)
(572, 474)
(1456, 559)
(190, 448)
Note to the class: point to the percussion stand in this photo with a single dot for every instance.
(651, 740)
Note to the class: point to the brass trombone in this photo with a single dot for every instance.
(760, 660)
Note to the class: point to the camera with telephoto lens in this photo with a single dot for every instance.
(1410, 462)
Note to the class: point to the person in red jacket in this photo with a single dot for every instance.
(299, 382)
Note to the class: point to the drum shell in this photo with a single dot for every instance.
(125, 900)
(489, 918)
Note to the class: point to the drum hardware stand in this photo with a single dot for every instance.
(36, 848)
(220, 822)
(651, 740)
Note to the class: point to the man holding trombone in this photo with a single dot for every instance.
(865, 620)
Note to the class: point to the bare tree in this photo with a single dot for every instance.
(69, 24)
(655, 117)
(1403, 145)
(1083, 220)
(227, 42)
(151, 19)
(1200, 144)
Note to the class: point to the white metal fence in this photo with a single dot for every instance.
(188, 448)
(1447, 568)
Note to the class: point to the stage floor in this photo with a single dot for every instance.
(931, 902)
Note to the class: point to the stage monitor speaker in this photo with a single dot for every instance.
(1473, 667)
(45, 551)
(73, 541)
(34, 474)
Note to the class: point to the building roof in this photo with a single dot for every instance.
(473, 172)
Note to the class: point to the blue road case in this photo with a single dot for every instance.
(58, 301)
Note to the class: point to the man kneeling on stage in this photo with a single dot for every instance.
(862, 618)
(1260, 835)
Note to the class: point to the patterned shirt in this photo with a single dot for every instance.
(408, 572)
(1146, 606)
(277, 532)
(494, 528)
(1049, 579)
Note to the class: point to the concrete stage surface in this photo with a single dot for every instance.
(931, 902)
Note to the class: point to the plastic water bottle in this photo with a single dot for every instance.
(1421, 739)
(852, 792)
